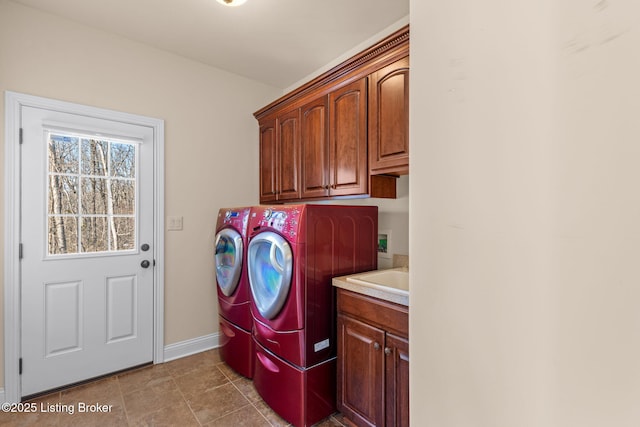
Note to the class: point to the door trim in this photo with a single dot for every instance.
(13, 103)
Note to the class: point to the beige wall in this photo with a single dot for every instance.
(525, 213)
(208, 123)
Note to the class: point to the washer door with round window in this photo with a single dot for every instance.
(228, 260)
(270, 266)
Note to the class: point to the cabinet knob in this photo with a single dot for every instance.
(387, 350)
(376, 346)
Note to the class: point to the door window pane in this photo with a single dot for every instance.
(63, 232)
(91, 201)
(123, 237)
(94, 234)
(63, 154)
(94, 157)
(123, 160)
(63, 195)
(94, 196)
(123, 196)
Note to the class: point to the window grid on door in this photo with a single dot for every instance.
(91, 194)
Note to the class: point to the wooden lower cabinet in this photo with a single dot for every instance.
(397, 377)
(373, 360)
(360, 372)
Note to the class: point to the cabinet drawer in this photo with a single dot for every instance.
(387, 315)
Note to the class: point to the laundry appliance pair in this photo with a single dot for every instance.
(292, 254)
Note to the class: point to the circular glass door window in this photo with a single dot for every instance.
(228, 260)
(270, 267)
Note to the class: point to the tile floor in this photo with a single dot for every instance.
(198, 390)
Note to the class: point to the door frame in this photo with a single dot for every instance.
(12, 324)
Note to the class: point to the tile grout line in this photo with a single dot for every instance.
(251, 403)
(184, 399)
(124, 406)
(229, 381)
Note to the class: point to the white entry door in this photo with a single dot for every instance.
(87, 247)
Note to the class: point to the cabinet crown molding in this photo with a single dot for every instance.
(387, 50)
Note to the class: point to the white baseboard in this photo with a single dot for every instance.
(192, 346)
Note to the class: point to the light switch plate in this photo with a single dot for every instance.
(174, 223)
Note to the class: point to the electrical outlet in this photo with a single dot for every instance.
(174, 223)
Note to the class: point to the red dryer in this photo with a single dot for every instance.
(294, 252)
(236, 345)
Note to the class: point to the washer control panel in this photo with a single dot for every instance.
(237, 218)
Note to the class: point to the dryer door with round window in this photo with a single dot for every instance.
(270, 266)
(228, 260)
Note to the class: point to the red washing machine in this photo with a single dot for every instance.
(236, 344)
(294, 252)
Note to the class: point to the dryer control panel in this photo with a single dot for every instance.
(283, 219)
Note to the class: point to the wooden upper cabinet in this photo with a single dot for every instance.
(334, 143)
(314, 142)
(268, 155)
(348, 139)
(389, 119)
(344, 133)
(288, 187)
(280, 157)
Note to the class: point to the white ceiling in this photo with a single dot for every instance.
(278, 42)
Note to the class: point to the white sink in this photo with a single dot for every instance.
(394, 280)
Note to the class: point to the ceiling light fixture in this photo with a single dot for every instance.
(232, 2)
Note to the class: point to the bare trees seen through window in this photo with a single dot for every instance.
(92, 195)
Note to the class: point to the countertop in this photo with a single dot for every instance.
(387, 293)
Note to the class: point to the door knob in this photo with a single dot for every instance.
(145, 264)
(376, 346)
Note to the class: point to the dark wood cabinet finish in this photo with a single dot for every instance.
(348, 139)
(397, 377)
(314, 141)
(360, 372)
(373, 360)
(288, 138)
(389, 119)
(322, 141)
(268, 154)
(280, 157)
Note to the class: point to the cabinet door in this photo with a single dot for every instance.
(288, 185)
(314, 145)
(389, 119)
(360, 372)
(348, 139)
(268, 156)
(397, 381)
